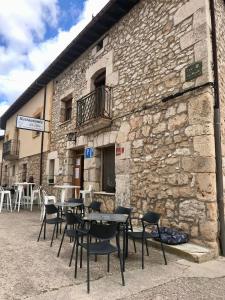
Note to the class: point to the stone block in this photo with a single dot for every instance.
(138, 143)
(187, 10)
(161, 127)
(192, 209)
(200, 109)
(206, 186)
(178, 179)
(204, 145)
(208, 230)
(123, 133)
(199, 129)
(192, 37)
(177, 122)
(199, 164)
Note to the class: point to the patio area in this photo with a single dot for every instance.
(29, 270)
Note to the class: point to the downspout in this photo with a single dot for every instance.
(217, 133)
(42, 137)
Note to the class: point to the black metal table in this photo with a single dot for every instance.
(68, 204)
(106, 217)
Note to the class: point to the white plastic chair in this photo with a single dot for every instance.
(36, 194)
(19, 197)
(89, 192)
(6, 193)
(47, 199)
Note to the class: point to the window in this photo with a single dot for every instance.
(66, 110)
(13, 170)
(24, 173)
(99, 45)
(108, 169)
(51, 177)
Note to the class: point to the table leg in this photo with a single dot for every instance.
(63, 195)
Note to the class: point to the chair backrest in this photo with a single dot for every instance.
(51, 209)
(103, 231)
(95, 206)
(72, 219)
(123, 210)
(152, 218)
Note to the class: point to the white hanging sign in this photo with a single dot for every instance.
(29, 123)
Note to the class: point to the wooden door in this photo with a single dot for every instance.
(78, 178)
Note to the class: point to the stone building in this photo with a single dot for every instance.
(24, 152)
(137, 112)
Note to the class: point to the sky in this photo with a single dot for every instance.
(32, 34)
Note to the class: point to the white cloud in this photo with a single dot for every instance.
(24, 53)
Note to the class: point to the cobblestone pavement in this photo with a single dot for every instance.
(31, 270)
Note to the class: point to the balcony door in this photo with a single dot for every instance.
(99, 84)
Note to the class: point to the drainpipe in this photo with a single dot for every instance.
(42, 137)
(217, 133)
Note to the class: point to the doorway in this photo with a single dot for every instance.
(78, 174)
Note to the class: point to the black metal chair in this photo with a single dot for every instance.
(80, 209)
(73, 223)
(50, 209)
(149, 219)
(95, 206)
(103, 233)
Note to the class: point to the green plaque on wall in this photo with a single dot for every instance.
(193, 71)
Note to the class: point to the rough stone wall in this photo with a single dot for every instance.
(168, 163)
(220, 14)
(33, 169)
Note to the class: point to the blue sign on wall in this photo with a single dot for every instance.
(88, 152)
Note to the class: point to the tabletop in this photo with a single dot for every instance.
(67, 186)
(24, 183)
(108, 217)
(68, 204)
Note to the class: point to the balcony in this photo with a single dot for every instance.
(11, 150)
(93, 111)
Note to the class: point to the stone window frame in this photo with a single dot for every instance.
(52, 156)
(100, 45)
(63, 100)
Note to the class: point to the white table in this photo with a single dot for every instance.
(26, 184)
(64, 189)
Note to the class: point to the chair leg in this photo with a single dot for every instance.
(10, 202)
(146, 244)
(40, 230)
(88, 273)
(75, 273)
(45, 231)
(142, 252)
(81, 253)
(53, 235)
(71, 257)
(108, 262)
(121, 261)
(62, 239)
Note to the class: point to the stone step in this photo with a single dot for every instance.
(189, 251)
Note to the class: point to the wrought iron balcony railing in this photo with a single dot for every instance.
(11, 149)
(95, 105)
